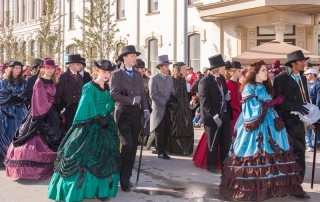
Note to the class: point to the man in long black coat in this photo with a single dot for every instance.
(215, 113)
(293, 85)
(69, 89)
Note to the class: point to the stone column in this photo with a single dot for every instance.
(241, 33)
(312, 38)
(280, 29)
(20, 10)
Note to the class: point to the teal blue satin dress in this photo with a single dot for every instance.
(261, 164)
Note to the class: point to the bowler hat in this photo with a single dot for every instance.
(74, 59)
(36, 63)
(216, 61)
(236, 64)
(163, 60)
(105, 65)
(48, 62)
(295, 56)
(128, 50)
(179, 64)
(140, 63)
(15, 63)
(228, 64)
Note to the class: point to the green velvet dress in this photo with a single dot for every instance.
(88, 161)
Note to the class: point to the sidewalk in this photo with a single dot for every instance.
(160, 181)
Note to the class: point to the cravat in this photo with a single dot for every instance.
(130, 72)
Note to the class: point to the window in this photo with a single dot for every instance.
(15, 48)
(190, 2)
(24, 10)
(2, 13)
(152, 54)
(153, 6)
(23, 51)
(319, 45)
(119, 46)
(270, 30)
(194, 51)
(17, 11)
(33, 9)
(71, 14)
(72, 49)
(120, 9)
(43, 7)
(1, 54)
(32, 48)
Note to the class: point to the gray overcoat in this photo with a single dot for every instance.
(160, 89)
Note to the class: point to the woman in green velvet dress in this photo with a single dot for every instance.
(87, 165)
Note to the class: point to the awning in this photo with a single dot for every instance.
(271, 51)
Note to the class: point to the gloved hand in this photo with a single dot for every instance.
(218, 121)
(146, 116)
(276, 101)
(227, 97)
(301, 109)
(137, 100)
(103, 122)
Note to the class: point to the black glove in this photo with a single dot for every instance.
(301, 109)
(10, 116)
(104, 122)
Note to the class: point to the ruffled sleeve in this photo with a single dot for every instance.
(254, 111)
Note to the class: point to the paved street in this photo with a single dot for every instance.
(174, 180)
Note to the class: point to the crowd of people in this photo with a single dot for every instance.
(82, 129)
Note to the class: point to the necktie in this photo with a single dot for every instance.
(130, 72)
(75, 77)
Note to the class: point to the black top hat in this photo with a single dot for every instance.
(140, 64)
(105, 65)
(36, 63)
(74, 59)
(236, 64)
(15, 63)
(295, 56)
(163, 60)
(83, 62)
(216, 61)
(228, 64)
(128, 50)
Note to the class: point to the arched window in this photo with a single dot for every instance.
(32, 48)
(153, 6)
(1, 54)
(72, 49)
(15, 49)
(121, 12)
(152, 54)
(119, 46)
(23, 51)
(194, 52)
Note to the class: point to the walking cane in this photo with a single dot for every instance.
(141, 149)
(314, 159)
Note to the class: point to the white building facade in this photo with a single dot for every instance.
(156, 27)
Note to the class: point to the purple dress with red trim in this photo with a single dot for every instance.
(32, 153)
(261, 164)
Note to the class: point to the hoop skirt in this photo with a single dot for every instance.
(88, 161)
(32, 153)
(261, 164)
